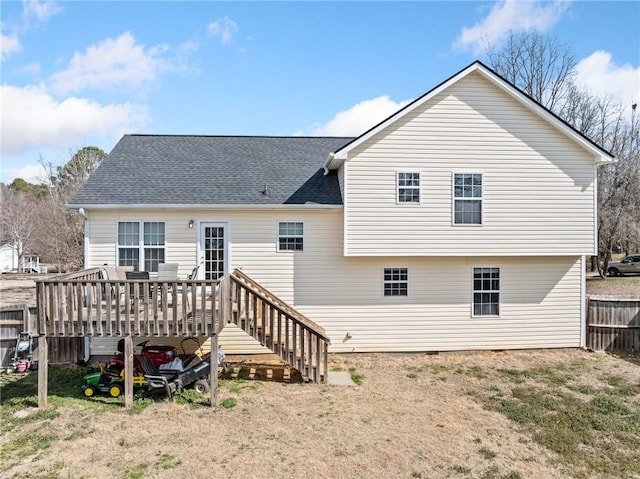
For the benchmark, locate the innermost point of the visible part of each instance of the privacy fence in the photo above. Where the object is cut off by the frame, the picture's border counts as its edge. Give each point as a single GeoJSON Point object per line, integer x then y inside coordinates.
{"type": "Point", "coordinates": [613, 324]}
{"type": "Point", "coordinates": [20, 318]}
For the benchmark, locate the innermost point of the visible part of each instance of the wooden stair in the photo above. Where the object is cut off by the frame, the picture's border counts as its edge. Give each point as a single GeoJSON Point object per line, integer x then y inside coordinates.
{"type": "Point", "coordinates": [296, 339]}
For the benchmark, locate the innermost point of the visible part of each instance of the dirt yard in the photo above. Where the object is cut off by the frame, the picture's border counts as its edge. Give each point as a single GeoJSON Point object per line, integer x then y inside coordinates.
{"type": "Point", "coordinates": [413, 416]}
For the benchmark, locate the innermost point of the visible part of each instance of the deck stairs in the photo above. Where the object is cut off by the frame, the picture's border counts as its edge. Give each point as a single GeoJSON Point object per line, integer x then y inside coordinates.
{"type": "Point", "coordinates": [276, 325]}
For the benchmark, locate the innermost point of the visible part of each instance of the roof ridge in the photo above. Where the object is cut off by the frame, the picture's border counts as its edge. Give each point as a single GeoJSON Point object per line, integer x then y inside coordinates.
{"type": "Point", "coordinates": [171, 135]}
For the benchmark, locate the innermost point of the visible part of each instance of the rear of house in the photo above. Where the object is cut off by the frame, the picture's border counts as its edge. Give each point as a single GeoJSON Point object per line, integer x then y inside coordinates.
{"type": "Point", "coordinates": [461, 222]}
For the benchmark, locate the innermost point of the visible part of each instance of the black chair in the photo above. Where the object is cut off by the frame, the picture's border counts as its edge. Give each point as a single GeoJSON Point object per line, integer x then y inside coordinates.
{"type": "Point", "coordinates": [137, 290]}
{"type": "Point", "coordinates": [166, 379]}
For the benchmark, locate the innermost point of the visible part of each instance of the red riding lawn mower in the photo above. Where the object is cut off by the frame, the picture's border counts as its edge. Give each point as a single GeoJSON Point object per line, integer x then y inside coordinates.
{"type": "Point", "coordinates": [158, 355]}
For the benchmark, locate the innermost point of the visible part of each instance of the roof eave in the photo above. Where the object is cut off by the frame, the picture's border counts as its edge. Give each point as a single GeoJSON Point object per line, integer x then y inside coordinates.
{"type": "Point", "coordinates": [281, 206]}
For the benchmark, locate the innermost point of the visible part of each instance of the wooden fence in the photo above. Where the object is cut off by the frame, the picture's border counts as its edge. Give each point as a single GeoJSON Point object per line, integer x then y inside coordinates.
{"type": "Point", "coordinates": [613, 324]}
{"type": "Point", "coordinates": [21, 317]}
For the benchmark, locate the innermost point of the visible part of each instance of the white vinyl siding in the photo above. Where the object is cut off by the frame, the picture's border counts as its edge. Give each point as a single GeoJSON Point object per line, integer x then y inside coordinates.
{"type": "Point", "coordinates": [538, 184]}
{"type": "Point", "coordinates": [539, 303]}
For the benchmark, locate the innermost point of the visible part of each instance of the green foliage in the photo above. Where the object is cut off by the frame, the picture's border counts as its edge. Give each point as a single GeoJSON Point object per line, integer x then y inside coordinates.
{"type": "Point", "coordinates": [137, 472]}
{"type": "Point", "coordinates": [229, 403]}
{"type": "Point", "coordinates": [356, 377]}
{"type": "Point", "coordinates": [19, 185]}
{"type": "Point", "coordinates": [562, 422]}
{"type": "Point", "coordinates": [167, 461]}
{"type": "Point", "coordinates": [487, 453]}
{"type": "Point", "coordinates": [70, 177]}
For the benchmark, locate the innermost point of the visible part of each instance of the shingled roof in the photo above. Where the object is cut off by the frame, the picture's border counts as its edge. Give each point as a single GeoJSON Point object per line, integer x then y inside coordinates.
{"type": "Point", "coordinates": [214, 170]}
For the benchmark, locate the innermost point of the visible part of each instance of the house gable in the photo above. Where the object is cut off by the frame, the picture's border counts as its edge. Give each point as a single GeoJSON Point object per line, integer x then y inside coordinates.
{"type": "Point", "coordinates": [602, 156]}
{"type": "Point", "coordinates": [538, 191]}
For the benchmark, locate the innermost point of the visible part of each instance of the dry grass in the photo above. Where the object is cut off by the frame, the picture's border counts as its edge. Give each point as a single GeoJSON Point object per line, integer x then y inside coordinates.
{"type": "Point", "coordinates": [413, 416]}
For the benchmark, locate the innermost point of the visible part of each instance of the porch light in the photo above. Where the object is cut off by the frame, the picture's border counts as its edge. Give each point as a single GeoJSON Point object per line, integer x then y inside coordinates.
{"type": "Point", "coordinates": [191, 223]}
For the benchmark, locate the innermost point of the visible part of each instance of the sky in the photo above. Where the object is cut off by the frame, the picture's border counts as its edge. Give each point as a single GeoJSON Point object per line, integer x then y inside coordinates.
{"type": "Point", "coordinates": [77, 74]}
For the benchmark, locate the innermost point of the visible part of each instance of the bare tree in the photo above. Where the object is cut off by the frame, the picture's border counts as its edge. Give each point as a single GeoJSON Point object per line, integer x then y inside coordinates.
{"type": "Point", "coordinates": [17, 222]}
{"type": "Point", "coordinates": [544, 68]}
{"type": "Point", "coordinates": [60, 237]}
{"type": "Point", "coordinates": [541, 66]}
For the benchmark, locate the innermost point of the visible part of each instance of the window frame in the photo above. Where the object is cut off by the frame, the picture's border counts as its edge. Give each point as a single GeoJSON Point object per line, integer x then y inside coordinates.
{"type": "Point", "coordinates": [455, 199]}
{"type": "Point", "coordinates": [487, 291]}
{"type": "Point", "coordinates": [398, 282]}
{"type": "Point", "coordinates": [290, 236]}
{"type": "Point", "coordinates": [141, 247]}
{"type": "Point", "coordinates": [408, 187]}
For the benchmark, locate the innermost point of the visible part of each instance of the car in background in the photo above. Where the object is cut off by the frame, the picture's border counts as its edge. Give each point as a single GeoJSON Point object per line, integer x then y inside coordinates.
{"type": "Point", "coordinates": [629, 264]}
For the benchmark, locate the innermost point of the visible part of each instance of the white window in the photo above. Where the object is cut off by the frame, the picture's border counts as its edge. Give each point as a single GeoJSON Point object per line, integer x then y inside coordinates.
{"type": "Point", "coordinates": [486, 291]}
{"type": "Point", "coordinates": [467, 198]}
{"type": "Point", "coordinates": [408, 187]}
{"type": "Point", "coordinates": [141, 244]}
{"type": "Point", "coordinates": [396, 282]}
{"type": "Point", "coordinates": [290, 236]}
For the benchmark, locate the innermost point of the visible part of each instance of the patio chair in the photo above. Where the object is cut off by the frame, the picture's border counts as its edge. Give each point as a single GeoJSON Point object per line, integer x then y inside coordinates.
{"type": "Point", "coordinates": [137, 290]}
{"type": "Point", "coordinates": [167, 273]}
{"type": "Point", "coordinates": [165, 379]}
{"type": "Point", "coordinates": [115, 273]}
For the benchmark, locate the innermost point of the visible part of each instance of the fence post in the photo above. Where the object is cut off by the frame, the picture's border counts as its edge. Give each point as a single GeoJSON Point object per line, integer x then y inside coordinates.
{"type": "Point", "coordinates": [43, 371]}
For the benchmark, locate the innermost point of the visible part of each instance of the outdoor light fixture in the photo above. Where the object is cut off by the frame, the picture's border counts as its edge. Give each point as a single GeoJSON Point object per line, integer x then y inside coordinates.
{"type": "Point", "coordinates": [191, 223]}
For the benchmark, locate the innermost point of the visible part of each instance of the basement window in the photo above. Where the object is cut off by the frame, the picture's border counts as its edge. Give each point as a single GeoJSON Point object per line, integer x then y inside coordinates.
{"type": "Point", "coordinates": [486, 291]}
{"type": "Point", "coordinates": [396, 282]}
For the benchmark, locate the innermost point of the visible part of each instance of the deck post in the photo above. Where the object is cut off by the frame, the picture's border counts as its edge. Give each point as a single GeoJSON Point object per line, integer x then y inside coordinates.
{"type": "Point", "coordinates": [128, 372]}
{"type": "Point", "coordinates": [43, 371]}
{"type": "Point", "coordinates": [214, 369]}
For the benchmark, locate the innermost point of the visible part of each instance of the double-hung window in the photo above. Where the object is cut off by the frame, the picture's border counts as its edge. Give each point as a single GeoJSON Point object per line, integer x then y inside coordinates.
{"type": "Point", "coordinates": [290, 236]}
{"type": "Point", "coordinates": [408, 187]}
{"type": "Point", "coordinates": [486, 291]}
{"type": "Point", "coordinates": [141, 244]}
{"type": "Point", "coordinates": [467, 198]}
{"type": "Point", "coordinates": [396, 282]}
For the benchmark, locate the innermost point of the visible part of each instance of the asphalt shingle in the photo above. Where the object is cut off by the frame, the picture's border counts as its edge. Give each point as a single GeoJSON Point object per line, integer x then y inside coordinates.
{"type": "Point", "coordinates": [214, 170]}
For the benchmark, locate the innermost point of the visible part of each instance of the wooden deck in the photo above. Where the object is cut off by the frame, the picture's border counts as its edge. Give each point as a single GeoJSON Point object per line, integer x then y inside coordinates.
{"type": "Point", "coordinates": [83, 304]}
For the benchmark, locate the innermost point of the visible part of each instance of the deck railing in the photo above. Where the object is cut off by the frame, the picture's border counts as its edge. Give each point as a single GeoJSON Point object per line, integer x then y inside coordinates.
{"type": "Point", "coordinates": [83, 304]}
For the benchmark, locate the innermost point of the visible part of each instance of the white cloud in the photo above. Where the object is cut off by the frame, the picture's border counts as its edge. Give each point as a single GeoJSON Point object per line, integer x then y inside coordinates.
{"type": "Point", "coordinates": [603, 77]}
{"type": "Point", "coordinates": [29, 68]}
{"type": "Point", "coordinates": [357, 119]}
{"type": "Point", "coordinates": [41, 10]}
{"type": "Point", "coordinates": [511, 15]}
{"type": "Point", "coordinates": [9, 44]}
{"type": "Point", "coordinates": [112, 62]}
{"type": "Point", "coordinates": [225, 28]}
{"type": "Point", "coordinates": [31, 118]}
{"type": "Point", "coordinates": [30, 173]}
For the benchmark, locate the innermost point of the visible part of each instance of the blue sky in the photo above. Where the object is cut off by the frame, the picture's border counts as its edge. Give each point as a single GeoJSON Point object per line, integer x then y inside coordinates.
{"type": "Point", "coordinates": [85, 73]}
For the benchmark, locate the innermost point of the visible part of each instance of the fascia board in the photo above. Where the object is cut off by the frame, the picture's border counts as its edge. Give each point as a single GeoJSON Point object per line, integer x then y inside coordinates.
{"type": "Point", "coordinates": [309, 206]}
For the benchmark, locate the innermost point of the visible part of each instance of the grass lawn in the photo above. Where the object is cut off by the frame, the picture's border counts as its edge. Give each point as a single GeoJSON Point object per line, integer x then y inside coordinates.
{"type": "Point", "coordinates": [503, 415]}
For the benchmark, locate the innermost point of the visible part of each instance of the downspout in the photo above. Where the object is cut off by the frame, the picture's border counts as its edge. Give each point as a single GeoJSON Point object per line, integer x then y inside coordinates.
{"type": "Point", "coordinates": [86, 256]}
